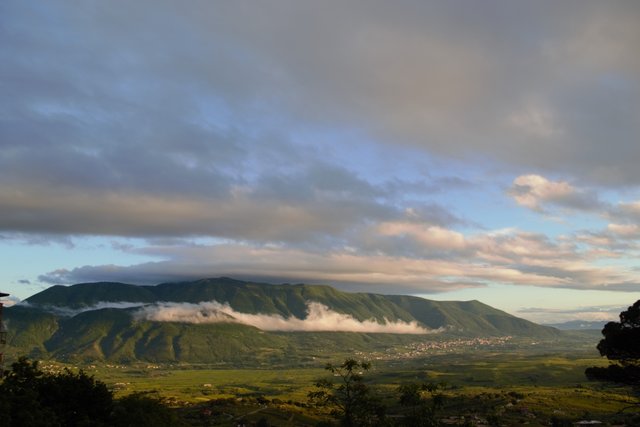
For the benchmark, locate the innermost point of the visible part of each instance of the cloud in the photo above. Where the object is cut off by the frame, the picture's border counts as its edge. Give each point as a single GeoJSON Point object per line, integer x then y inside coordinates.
{"type": "Point", "coordinates": [442, 262]}
{"type": "Point", "coordinates": [38, 239]}
{"type": "Point", "coordinates": [539, 194]}
{"type": "Point", "coordinates": [588, 313]}
{"type": "Point", "coordinates": [373, 273]}
{"type": "Point", "coordinates": [318, 205]}
{"type": "Point", "coordinates": [323, 142]}
{"type": "Point", "coordinates": [617, 240]}
{"type": "Point", "coordinates": [625, 231]}
{"type": "Point", "coordinates": [535, 121]}
{"type": "Point", "coordinates": [10, 301]}
{"type": "Point", "coordinates": [429, 236]}
{"type": "Point", "coordinates": [319, 318]}
{"type": "Point", "coordinates": [241, 215]}
{"type": "Point", "coordinates": [626, 212]}
{"type": "Point", "coordinates": [101, 107]}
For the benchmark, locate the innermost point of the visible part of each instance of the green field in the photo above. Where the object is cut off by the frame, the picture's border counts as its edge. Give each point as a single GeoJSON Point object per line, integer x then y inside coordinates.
{"type": "Point", "coordinates": [514, 386]}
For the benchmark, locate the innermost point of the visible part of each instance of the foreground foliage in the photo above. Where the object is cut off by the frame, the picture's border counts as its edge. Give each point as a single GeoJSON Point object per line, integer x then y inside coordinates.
{"type": "Point", "coordinates": [422, 401]}
{"type": "Point", "coordinates": [31, 397]}
{"type": "Point", "coordinates": [351, 400]}
{"type": "Point", "coordinates": [621, 345]}
{"type": "Point", "coordinates": [354, 404]}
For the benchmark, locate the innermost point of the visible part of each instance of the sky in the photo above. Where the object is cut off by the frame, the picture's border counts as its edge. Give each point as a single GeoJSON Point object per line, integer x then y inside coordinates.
{"type": "Point", "coordinates": [454, 150]}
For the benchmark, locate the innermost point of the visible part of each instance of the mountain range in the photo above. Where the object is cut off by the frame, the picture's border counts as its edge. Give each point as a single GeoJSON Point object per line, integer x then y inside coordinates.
{"type": "Point", "coordinates": [227, 321]}
{"type": "Point", "coordinates": [580, 325]}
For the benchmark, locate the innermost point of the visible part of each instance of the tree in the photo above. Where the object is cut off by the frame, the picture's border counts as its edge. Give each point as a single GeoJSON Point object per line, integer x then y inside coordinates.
{"type": "Point", "coordinates": [351, 400]}
{"type": "Point", "coordinates": [31, 397]}
{"type": "Point", "coordinates": [34, 398]}
{"type": "Point", "coordinates": [621, 345]}
{"type": "Point", "coordinates": [142, 409]}
{"type": "Point", "coordinates": [77, 399]}
{"type": "Point", "coordinates": [20, 397]}
{"type": "Point", "coordinates": [422, 402]}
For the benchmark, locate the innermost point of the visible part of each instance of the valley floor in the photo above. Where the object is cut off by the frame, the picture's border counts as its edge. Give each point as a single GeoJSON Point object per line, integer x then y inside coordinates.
{"type": "Point", "coordinates": [536, 386]}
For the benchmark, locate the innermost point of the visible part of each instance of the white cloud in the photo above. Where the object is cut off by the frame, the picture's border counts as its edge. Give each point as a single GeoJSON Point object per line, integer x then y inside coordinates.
{"type": "Point", "coordinates": [10, 301]}
{"type": "Point", "coordinates": [559, 315]}
{"type": "Point", "coordinates": [511, 256]}
{"type": "Point", "coordinates": [431, 237]}
{"type": "Point", "coordinates": [532, 191]}
{"type": "Point", "coordinates": [319, 318]}
{"type": "Point", "coordinates": [539, 194]}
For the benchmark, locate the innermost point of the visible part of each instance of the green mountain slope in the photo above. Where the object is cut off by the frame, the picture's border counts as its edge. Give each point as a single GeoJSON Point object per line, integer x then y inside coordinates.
{"type": "Point", "coordinates": [89, 294]}
{"type": "Point", "coordinates": [28, 329]}
{"type": "Point", "coordinates": [469, 317]}
{"type": "Point", "coordinates": [97, 330]}
{"type": "Point", "coordinates": [113, 334]}
{"type": "Point", "coordinates": [285, 300]}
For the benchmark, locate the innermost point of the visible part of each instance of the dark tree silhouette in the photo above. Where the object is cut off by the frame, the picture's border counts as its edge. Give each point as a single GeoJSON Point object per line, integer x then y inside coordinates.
{"type": "Point", "coordinates": [20, 397]}
{"type": "Point", "coordinates": [31, 397]}
{"type": "Point", "coordinates": [77, 399]}
{"type": "Point", "coordinates": [351, 399]}
{"type": "Point", "coordinates": [422, 402]}
{"type": "Point", "coordinates": [143, 409]}
{"type": "Point", "coordinates": [621, 345]}
{"type": "Point", "coordinates": [34, 398]}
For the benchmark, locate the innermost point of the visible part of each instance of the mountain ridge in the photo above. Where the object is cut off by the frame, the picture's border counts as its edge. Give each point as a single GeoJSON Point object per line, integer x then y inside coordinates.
{"type": "Point", "coordinates": [582, 325]}
{"type": "Point", "coordinates": [96, 328]}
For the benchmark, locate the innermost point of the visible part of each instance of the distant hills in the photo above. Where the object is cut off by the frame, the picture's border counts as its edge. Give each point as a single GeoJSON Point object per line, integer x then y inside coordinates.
{"type": "Point", "coordinates": [579, 325]}
{"type": "Point", "coordinates": [234, 322]}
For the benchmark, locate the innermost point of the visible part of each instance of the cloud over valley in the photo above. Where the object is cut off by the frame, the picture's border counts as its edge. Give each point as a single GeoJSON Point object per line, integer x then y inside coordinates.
{"type": "Point", "coordinates": [318, 318]}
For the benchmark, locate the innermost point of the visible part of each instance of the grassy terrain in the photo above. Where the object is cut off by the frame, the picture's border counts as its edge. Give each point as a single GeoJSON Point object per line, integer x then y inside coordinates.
{"type": "Point", "coordinates": [198, 385]}
{"type": "Point", "coordinates": [514, 386]}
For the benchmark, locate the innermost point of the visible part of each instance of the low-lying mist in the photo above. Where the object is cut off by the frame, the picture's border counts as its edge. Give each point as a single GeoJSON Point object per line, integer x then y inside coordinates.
{"type": "Point", "coordinates": [319, 318]}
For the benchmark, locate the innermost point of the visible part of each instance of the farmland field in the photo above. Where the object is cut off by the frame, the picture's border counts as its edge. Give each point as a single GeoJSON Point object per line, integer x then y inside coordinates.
{"type": "Point", "coordinates": [515, 386]}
